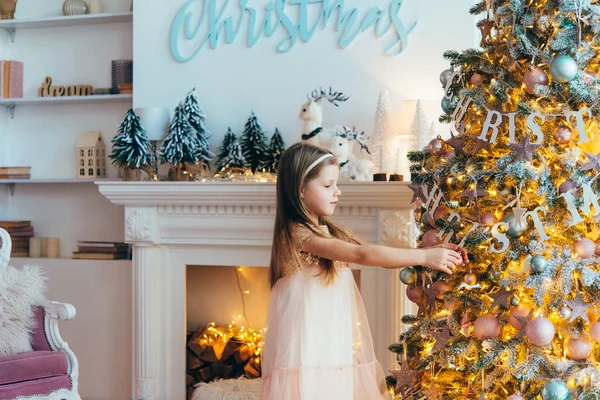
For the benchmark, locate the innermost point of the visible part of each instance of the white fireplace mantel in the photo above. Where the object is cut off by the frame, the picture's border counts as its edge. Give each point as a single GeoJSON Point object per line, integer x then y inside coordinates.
{"type": "Point", "coordinates": [174, 224]}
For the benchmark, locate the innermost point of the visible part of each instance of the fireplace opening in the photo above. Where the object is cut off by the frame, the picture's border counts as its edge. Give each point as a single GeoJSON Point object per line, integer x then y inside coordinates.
{"type": "Point", "coordinates": [226, 311]}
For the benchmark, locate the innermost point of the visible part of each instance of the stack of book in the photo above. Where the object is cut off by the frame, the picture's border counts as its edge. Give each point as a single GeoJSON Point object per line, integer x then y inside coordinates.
{"type": "Point", "coordinates": [125, 88]}
{"type": "Point", "coordinates": [20, 232]}
{"type": "Point", "coordinates": [101, 251]}
{"type": "Point", "coordinates": [11, 79]}
{"type": "Point", "coordinates": [15, 172]}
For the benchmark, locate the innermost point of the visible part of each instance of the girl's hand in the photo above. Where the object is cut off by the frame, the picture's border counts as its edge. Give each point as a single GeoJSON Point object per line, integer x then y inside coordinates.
{"type": "Point", "coordinates": [442, 258]}
{"type": "Point", "coordinates": [457, 248]}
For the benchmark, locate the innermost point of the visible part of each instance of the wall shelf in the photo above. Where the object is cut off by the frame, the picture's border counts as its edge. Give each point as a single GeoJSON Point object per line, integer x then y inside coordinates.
{"type": "Point", "coordinates": [11, 26]}
{"type": "Point", "coordinates": [12, 183]}
{"type": "Point", "coordinates": [12, 104]}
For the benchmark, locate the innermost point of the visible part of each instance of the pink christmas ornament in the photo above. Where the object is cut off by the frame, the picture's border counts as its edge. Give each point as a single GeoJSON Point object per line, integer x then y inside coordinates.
{"type": "Point", "coordinates": [442, 212]}
{"type": "Point", "coordinates": [566, 186]}
{"type": "Point", "coordinates": [414, 293]}
{"type": "Point", "coordinates": [595, 331]}
{"type": "Point", "coordinates": [486, 327]}
{"type": "Point", "coordinates": [441, 287]}
{"type": "Point", "coordinates": [522, 310]}
{"type": "Point", "coordinates": [515, 397]}
{"type": "Point", "coordinates": [580, 348]}
{"type": "Point", "coordinates": [476, 79]}
{"type": "Point", "coordinates": [448, 153]}
{"type": "Point", "coordinates": [540, 331]}
{"type": "Point", "coordinates": [430, 238]}
{"type": "Point", "coordinates": [589, 78]}
{"type": "Point", "coordinates": [470, 279]}
{"type": "Point", "coordinates": [585, 248]}
{"type": "Point", "coordinates": [563, 134]}
{"type": "Point", "coordinates": [427, 219]}
{"type": "Point", "coordinates": [534, 77]}
{"type": "Point", "coordinates": [450, 304]}
{"type": "Point", "coordinates": [436, 146]}
{"type": "Point", "coordinates": [488, 219]}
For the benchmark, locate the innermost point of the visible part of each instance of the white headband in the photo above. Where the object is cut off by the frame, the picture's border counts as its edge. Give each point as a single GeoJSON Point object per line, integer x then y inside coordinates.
{"type": "Point", "coordinates": [317, 161]}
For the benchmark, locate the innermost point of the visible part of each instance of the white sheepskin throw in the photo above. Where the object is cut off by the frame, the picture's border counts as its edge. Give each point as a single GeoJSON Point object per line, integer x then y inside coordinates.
{"type": "Point", "coordinates": [20, 291]}
{"type": "Point", "coordinates": [228, 389]}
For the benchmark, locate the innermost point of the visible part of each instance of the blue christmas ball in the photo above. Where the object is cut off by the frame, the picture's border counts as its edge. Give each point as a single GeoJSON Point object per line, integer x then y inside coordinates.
{"type": "Point", "coordinates": [539, 264]}
{"type": "Point", "coordinates": [555, 390]}
{"type": "Point", "coordinates": [408, 275]}
{"type": "Point", "coordinates": [563, 69]}
{"type": "Point", "coordinates": [449, 105]}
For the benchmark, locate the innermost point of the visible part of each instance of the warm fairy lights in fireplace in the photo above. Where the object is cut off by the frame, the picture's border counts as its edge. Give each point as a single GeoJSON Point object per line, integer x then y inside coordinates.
{"type": "Point", "coordinates": [248, 336]}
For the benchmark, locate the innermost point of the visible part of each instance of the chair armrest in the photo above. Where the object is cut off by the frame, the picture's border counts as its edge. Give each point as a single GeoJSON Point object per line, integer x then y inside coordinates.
{"type": "Point", "coordinates": [55, 311]}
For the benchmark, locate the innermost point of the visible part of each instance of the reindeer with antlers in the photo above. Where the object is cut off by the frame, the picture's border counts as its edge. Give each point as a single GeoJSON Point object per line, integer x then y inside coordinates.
{"type": "Point", "coordinates": [339, 140]}
{"type": "Point", "coordinates": [312, 115]}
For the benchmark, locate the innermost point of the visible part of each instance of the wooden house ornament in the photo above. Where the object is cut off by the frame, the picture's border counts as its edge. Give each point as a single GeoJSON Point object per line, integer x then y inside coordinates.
{"type": "Point", "coordinates": [91, 156]}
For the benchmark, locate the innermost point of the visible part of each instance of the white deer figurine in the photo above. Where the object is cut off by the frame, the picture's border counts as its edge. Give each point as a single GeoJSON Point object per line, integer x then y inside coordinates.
{"type": "Point", "coordinates": [312, 115]}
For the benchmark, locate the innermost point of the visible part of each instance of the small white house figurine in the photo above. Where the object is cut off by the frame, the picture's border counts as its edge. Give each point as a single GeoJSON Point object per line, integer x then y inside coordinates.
{"type": "Point", "coordinates": [91, 155]}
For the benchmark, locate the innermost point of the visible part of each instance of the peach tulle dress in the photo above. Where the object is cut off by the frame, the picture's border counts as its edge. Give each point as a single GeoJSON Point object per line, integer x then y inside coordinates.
{"type": "Point", "coordinates": [318, 344]}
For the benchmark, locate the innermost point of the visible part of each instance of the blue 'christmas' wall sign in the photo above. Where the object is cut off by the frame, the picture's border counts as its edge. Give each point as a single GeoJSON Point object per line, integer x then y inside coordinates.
{"type": "Point", "coordinates": [203, 21]}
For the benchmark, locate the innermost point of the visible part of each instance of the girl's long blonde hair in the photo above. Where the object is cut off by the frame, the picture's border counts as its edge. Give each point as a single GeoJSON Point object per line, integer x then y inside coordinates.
{"type": "Point", "coordinates": [292, 179]}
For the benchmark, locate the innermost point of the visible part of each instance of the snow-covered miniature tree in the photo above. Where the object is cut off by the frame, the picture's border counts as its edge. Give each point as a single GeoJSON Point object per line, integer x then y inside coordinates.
{"type": "Point", "coordinates": [274, 152]}
{"type": "Point", "coordinates": [197, 120]}
{"type": "Point", "coordinates": [130, 145]}
{"type": "Point", "coordinates": [254, 143]}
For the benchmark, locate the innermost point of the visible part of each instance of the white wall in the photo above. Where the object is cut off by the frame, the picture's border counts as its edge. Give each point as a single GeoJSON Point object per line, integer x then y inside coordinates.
{"type": "Point", "coordinates": [234, 79]}
{"type": "Point", "coordinates": [44, 138]}
{"type": "Point", "coordinates": [100, 333]}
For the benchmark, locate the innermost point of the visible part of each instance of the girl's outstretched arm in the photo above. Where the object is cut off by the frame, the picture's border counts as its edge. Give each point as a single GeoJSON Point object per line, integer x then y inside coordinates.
{"type": "Point", "coordinates": [444, 257]}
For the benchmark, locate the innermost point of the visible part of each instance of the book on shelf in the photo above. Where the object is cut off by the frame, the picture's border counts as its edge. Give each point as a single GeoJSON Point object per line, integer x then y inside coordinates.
{"type": "Point", "coordinates": [99, 256]}
{"type": "Point", "coordinates": [15, 170]}
{"type": "Point", "coordinates": [19, 254]}
{"type": "Point", "coordinates": [19, 230]}
{"type": "Point", "coordinates": [15, 176]}
{"type": "Point", "coordinates": [101, 250]}
{"type": "Point", "coordinates": [101, 244]}
{"type": "Point", "coordinates": [11, 79]}
{"type": "Point", "coordinates": [8, 225]}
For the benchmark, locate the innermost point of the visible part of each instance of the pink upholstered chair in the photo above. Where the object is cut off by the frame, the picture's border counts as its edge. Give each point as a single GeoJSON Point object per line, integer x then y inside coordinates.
{"type": "Point", "coordinates": [50, 371]}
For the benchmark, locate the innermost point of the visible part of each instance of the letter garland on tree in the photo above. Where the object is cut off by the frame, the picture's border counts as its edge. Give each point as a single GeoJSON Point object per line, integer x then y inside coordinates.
{"type": "Point", "coordinates": [274, 152]}
{"type": "Point", "coordinates": [180, 146]}
{"type": "Point", "coordinates": [230, 155]}
{"type": "Point", "coordinates": [514, 187]}
{"type": "Point", "coordinates": [197, 120]}
{"type": "Point", "coordinates": [130, 147]}
{"type": "Point", "coordinates": [254, 143]}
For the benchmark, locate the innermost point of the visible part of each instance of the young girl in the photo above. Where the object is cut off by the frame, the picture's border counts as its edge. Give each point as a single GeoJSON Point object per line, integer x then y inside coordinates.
{"type": "Point", "coordinates": [318, 345]}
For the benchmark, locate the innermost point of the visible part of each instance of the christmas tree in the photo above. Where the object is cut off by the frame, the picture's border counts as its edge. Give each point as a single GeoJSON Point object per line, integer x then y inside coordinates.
{"type": "Point", "coordinates": [235, 157]}
{"type": "Point", "coordinates": [230, 153]}
{"type": "Point", "coordinates": [254, 143]}
{"type": "Point", "coordinates": [516, 184]}
{"type": "Point", "coordinates": [130, 145]}
{"type": "Point", "coordinates": [197, 120]}
{"type": "Point", "coordinates": [382, 125]}
{"type": "Point", "coordinates": [180, 145]}
{"type": "Point", "coordinates": [274, 152]}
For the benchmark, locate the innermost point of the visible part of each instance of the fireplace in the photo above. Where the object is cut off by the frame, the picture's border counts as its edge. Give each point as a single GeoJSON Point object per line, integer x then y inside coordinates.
{"type": "Point", "coordinates": [172, 225]}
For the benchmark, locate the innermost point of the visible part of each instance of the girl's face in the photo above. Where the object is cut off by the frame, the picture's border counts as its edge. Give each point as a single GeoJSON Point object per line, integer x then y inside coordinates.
{"type": "Point", "coordinates": [321, 194]}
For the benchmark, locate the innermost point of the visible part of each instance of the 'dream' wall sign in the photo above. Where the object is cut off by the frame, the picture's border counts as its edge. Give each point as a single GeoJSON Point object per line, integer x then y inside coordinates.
{"type": "Point", "coordinates": [203, 22]}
